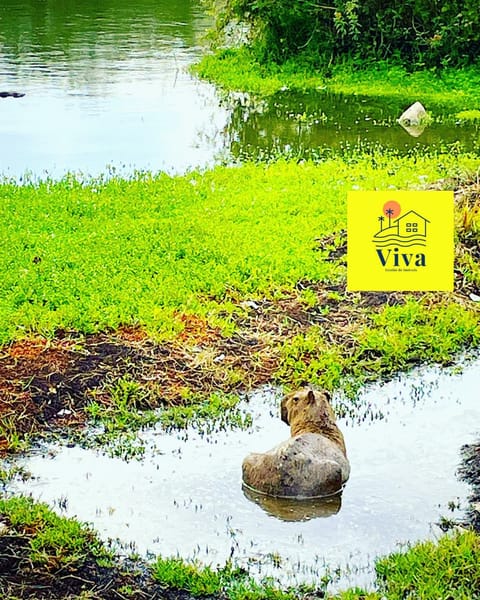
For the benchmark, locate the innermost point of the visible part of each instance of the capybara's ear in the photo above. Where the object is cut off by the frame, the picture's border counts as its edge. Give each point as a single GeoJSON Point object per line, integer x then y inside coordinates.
{"type": "Point", "coordinates": [284, 411]}
{"type": "Point", "coordinates": [328, 395]}
{"type": "Point", "coordinates": [311, 396]}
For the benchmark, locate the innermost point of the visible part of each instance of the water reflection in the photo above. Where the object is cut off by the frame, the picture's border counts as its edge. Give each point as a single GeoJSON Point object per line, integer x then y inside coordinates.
{"type": "Point", "coordinates": [288, 509]}
{"type": "Point", "coordinates": [106, 83]}
{"type": "Point", "coordinates": [185, 498]}
{"type": "Point", "coordinates": [81, 38]}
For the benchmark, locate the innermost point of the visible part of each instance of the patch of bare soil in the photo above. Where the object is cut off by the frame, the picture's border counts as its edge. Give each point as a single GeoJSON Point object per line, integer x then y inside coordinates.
{"type": "Point", "coordinates": [46, 384]}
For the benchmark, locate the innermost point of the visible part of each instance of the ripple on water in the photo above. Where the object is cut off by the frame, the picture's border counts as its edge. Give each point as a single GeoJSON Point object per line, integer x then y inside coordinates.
{"type": "Point", "coordinates": [186, 498]}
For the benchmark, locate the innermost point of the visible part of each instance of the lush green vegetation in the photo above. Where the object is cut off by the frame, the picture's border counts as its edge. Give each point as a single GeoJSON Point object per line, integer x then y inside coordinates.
{"type": "Point", "coordinates": [163, 253]}
{"type": "Point", "coordinates": [447, 569]}
{"type": "Point", "coordinates": [90, 256]}
{"type": "Point", "coordinates": [418, 31]}
{"type": "Point", "coordinates": [449, 90]}
{"type": "Point", "coordinates": [96, 255]}
{"type": "Point", "coordinates": [227, 582]}
{"type": "Point", "coordinates": [382, 343]}
{"type": "Point", "coordinates": [55, 542]}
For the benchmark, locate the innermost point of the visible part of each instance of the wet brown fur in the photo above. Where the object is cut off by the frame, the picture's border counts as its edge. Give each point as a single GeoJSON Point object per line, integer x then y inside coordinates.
{"type": "Point", "coordinates": [311, 463]}
{"type": "Point", "coordinates": [309, 411]}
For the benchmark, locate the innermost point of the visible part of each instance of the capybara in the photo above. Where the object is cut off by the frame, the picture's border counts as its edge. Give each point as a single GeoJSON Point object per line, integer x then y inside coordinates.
{"type": "Point", "coordinates": [313, 462]}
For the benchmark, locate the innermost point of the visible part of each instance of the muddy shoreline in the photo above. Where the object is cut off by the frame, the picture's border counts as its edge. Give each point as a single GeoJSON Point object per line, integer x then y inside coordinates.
{"type": "Point", "coordinates": [469, 471]}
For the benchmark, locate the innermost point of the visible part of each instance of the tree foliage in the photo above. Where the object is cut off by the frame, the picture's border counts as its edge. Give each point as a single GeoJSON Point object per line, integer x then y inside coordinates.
{"type": "Point", "coordinates": [424, 32]}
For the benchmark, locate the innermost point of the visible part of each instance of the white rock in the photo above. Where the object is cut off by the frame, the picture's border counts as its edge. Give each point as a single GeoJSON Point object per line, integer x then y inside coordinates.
{"type": "Point", "coordinates": [414, 115]}
{"type": "Point", "coordinates": [413, 120]}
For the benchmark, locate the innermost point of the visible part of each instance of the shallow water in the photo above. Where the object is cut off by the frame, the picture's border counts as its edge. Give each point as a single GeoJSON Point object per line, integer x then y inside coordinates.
{"type": "Point", "coordinates": [107, 85]}
{"type": "Point", "coordinates": [309, 124]}
{"type": "Point", "coordinates": [186, 498]}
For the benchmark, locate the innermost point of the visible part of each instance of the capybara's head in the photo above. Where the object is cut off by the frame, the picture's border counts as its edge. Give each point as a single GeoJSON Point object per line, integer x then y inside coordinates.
{"type": "Point", "coordinates": [306, 404]}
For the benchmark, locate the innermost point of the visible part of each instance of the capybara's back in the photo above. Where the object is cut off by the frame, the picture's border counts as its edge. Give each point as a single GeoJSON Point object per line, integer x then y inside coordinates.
{"type": "Point", "coordinates": [312, 463]}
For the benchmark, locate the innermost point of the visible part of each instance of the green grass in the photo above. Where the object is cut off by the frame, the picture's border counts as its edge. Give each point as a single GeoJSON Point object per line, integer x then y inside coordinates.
{"type": "Point", "coordinates": [124, 415]}
{"type": "Point", "coordinates": [382, 343]}
{"type": "Point", "coordinates": [239, 70]}
{"type": "Point", "coordinates": [91, 256]}
{"type": "Point", "coordinates": [228, 582]}
{"type": "Point", "coordinates": [55, 542]}
{"type": "Point", "coordinates": [448, 569]}
{"type": "Point", "coordinates": [468, 115]}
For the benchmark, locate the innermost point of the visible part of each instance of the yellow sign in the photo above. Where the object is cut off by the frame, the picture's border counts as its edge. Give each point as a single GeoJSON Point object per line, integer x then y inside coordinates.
{"type": "Point", "coordinates": [400, 241]}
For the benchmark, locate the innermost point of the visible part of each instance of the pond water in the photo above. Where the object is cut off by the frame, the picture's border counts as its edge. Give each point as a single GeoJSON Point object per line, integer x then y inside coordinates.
{"type": "Point", "coordinates": [310, 124]}
{"type": "Point", "coordinates": [186, 497]}
{"type": "Point", "coordinates": [106, 84]}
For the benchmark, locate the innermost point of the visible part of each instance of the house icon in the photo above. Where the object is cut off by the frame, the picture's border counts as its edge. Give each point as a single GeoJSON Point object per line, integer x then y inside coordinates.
{"type": "Point", "coordinates": [411, 223]}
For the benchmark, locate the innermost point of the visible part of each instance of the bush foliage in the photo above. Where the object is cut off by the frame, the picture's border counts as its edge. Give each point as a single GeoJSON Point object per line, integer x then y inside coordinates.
{"type": "Point", "coordinates": [424, 32]}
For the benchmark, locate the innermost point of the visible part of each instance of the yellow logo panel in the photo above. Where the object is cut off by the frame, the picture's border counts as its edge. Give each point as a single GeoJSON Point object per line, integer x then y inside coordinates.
{"type": "Point", "coordinates": [400, 241]}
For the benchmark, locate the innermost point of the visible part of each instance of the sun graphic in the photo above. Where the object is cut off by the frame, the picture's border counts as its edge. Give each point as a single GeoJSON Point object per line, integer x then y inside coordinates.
{"type": "Point", "coordinates": [392, 209]}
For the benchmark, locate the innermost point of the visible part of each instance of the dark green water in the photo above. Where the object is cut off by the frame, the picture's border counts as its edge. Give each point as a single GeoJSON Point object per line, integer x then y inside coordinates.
{"type": "Point", "coordinates": [308, 125]}
{"type": "Point", "coordinates": [106, 83]}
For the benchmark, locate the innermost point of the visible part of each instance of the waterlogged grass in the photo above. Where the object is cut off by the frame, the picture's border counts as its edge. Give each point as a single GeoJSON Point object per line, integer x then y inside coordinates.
{"type": "Point", "coordinates": [229, 582]}
{"type": "Point", "coordinates": [126, 413]}
{"type": "Point", "coordinates": [449, 568]}
{"type": "Point", "coordinates": [239, 70]}
{"type": "Point", "coordinates": [92, 256]}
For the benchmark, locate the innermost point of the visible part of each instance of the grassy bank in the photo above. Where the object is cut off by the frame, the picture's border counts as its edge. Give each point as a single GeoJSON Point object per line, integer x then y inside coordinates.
{"type": "Point", "coordinates": [95, 256]}
{"type": "Point", "coordinates": [43, 555]}
{"type": "Point", "coordinates": [238, 69]}
{"type": "Point", "coordinates": [178, 292]}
